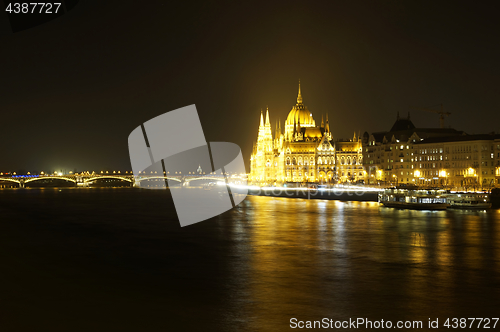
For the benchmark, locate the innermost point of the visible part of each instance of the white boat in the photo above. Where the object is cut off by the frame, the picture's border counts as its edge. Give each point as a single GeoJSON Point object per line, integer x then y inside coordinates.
{"type": "Point", "coordinates": [413, 199]}
{"type": "Point", "coordinates": [469, 200]}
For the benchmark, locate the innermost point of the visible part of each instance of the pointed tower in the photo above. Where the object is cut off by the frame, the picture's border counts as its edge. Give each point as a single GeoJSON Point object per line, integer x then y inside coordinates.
{"type": "Point", "coordinates": [265, 137]}
{"type": "Point", "coordinates": [279, 137]}
{"type": "Point", "coordinates": [327, 129]}
{"type": "Point", "coordinates": [322, 122]}
{"type": "Point", "coordinates": [263, 154]}
{"type": "Point", "coordinates": [299, 110]}
{"type": "Point", "coordinates": [299, 97]}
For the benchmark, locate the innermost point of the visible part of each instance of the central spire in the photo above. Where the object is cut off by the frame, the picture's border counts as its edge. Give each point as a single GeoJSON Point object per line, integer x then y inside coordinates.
{"type": "Point", "coordinates": [299, 97]}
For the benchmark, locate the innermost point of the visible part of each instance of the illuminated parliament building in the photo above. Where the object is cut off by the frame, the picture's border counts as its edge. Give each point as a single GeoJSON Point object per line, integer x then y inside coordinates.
{"type": "Point", "coordinates": [304, 152]}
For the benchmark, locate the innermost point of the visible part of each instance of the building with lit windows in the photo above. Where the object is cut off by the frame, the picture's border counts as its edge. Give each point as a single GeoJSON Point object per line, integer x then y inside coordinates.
{"type": "Point", "coordinates": [497, 161]}
{"type": "Point", "coordinates": [431, 157]}
{"type": "Point", "coordinates": [389, 157]}
{"type": "Point", "coordinates": [303, 152]}
{"type": "Point", "coordinates": [464, 162]}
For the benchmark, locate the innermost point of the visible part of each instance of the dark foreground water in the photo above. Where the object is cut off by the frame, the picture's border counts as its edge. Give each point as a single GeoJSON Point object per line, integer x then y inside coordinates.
{"type": "Point", "coordinates": [117, 260]}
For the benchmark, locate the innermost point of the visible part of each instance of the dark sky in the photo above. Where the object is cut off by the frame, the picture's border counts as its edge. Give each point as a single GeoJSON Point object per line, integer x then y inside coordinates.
{"type": "Point", "coordinates": [74, 88]}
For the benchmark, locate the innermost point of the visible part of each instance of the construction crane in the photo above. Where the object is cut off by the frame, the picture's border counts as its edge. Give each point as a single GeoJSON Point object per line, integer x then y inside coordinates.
{"type": "Point", "coordinates": [441, 113]}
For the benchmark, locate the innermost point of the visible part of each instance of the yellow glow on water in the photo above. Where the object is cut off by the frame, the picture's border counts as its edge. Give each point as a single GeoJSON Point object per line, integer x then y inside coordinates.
{"type": "Point", "coordinates": [305, 251]}
{"type": "Point", "coordinates": [472, 225]}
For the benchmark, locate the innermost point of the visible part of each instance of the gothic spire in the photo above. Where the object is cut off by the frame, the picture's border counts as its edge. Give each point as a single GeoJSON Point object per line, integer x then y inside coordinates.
{"type": "Point", "coordinates": [327, 129]}
{"type": "Point", "coordinates": [267, 117]}
{"type": "Point", "coordinates": [322, 122]}
{"type": "Point", "coordinates": [261, 119]}
{"type": "Point", "coordinates": [299, 97]}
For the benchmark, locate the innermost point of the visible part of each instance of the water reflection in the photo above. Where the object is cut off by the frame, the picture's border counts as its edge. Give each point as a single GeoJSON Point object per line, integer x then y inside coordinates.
{"type": "Point", "coordinates": [314, 259]}
{"type": "Point", "coordinates": [78, 253]}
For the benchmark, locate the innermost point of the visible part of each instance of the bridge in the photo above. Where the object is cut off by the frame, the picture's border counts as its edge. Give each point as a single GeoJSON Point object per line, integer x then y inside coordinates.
{"type": "Point", "coordinates": [86, 179]}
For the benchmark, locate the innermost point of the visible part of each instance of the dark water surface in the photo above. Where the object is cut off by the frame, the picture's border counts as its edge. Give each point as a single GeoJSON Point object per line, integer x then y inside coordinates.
{"type": "Point", "coordinates": [117, 260]}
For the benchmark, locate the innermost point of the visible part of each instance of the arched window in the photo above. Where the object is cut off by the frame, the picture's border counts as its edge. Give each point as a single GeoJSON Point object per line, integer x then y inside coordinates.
{"type": "Point", "coordinates": [288, 161]}
{"type": "Point", "coordinates": [319, 161]}
{"type": "Point", "coordinates": [300, 160]}
{"type": "Point", "coordinates": [312, 161]}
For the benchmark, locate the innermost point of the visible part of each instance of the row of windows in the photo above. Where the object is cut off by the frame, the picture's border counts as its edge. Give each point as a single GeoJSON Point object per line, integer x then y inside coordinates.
{"type": "Point", "coordinates": [430, 151]}
{"type": "Point", "coordinates": [294, 174]}
{"type": "Point", "coordinates": [300, 174]}
{"type": "Point", "coordinates": [301, 161]}
{"type": "Point", "coordinates": [427, 158]}
{"type": "Point", "coordinates": [326, 161]}
{"type": "Point", "coordinates": [353, 174]}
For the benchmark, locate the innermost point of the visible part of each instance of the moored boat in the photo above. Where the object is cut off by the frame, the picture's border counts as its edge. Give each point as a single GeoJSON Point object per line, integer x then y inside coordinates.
{"type": "Point", "coordinates": [413, 199]}
{"type": "Point", "coordinates": [469, 200]}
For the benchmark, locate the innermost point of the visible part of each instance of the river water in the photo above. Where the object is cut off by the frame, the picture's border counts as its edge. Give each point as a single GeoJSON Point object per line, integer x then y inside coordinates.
{"type": "Point", "coordinates": [77, 259]}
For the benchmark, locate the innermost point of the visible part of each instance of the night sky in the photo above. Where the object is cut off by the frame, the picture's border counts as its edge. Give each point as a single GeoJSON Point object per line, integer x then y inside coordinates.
{"type": "Point", "coordinates": [74, 88]}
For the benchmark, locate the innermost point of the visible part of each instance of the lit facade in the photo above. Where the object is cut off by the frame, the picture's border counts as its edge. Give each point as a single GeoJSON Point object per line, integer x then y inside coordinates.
{"type": "Point", "coordinates": [304, 152]}
{"type": "Point", "coordinates": [390, 157]}
{"type": "Point", "coordinates": [432, 157]}
{"type": "Point", "coordinates": [497, 161]}
{"type": "Point", "coordinates": [465, 162]}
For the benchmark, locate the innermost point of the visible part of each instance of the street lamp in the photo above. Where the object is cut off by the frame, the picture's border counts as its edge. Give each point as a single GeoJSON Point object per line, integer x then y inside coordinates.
{"type": "Point", "coordinates": [443, 174]}
{"type": "Point", "coordinates": [417, 175]}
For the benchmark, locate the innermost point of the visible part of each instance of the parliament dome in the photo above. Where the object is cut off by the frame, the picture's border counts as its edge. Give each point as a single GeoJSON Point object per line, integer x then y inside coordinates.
{"type": "Point", "coordinates": [300, 114]}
